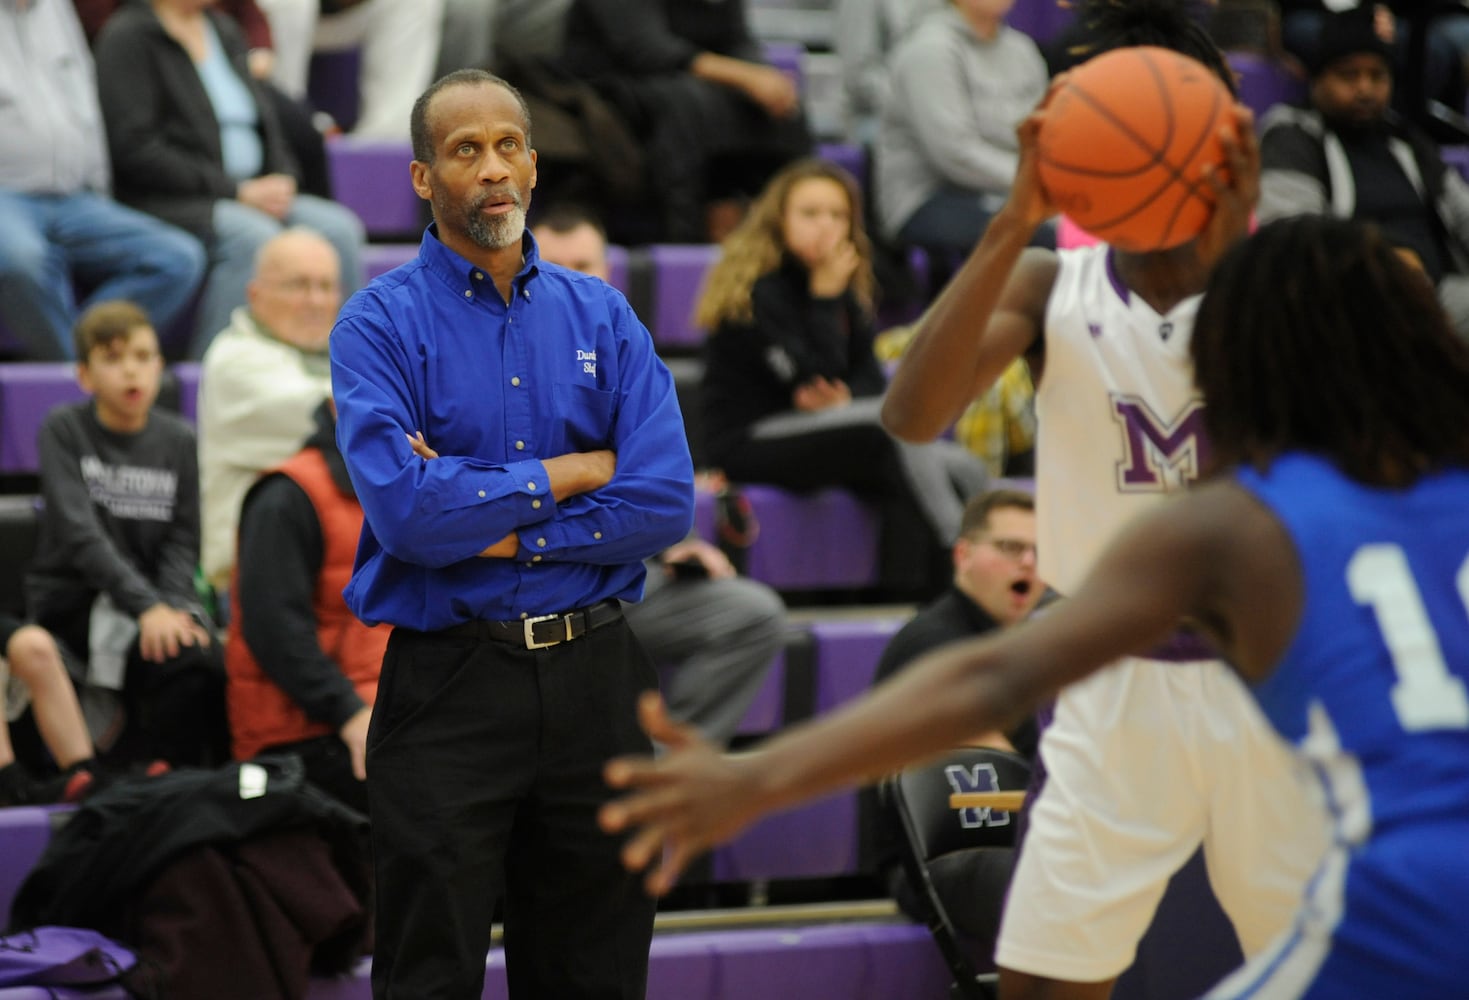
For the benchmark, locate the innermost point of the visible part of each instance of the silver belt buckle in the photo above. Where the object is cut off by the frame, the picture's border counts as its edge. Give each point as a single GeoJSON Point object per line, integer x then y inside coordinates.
{"type": "Point", "coordinates": [530, 631]}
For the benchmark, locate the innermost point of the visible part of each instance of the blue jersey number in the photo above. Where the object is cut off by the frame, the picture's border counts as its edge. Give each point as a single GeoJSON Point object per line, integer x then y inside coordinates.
{"type": "Point", "coordinates": [1426, 695]}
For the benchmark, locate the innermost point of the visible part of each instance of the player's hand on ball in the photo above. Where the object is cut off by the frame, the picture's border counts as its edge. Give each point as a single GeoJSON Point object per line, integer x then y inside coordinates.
{"type": "Point", "coordinates": [682, 803]}
{"type": "Point", "coordinates": [1027, 195]}
{"type": "Point", "coordinates": [1236, 187]}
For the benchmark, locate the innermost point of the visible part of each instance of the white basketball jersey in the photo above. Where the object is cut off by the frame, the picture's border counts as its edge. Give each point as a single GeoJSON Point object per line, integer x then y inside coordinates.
{"type": "Point", "coordinates": [1119, 420]}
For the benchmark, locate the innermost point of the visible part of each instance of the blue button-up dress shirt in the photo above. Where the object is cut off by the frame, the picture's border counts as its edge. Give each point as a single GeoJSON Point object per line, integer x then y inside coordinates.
{"type": "Point", "coordinates": [495, 388]}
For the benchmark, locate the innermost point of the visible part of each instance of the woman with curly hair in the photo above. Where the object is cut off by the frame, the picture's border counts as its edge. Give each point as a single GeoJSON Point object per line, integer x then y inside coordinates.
{"type": "Point", "coordinates": [792, 389]}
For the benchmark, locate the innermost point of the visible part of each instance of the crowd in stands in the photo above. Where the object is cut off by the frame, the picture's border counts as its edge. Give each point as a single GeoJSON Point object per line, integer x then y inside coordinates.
{"type": "Point", "coordinates": [164, 195]}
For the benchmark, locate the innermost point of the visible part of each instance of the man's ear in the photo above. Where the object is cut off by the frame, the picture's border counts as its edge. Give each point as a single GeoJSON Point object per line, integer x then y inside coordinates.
{"type": "Point", "coordinates": [418, 173]}
{"type": "Point", "coordinates": [533, 174]}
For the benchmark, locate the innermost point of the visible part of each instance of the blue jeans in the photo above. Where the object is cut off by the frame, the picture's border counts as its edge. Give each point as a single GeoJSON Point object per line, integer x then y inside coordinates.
{"type": "Point", "coordinates": [53, 247]}
{"type": "Point", "coordinates": [239, 233]}
{"type": "Point", "coordinates": [953, 219]}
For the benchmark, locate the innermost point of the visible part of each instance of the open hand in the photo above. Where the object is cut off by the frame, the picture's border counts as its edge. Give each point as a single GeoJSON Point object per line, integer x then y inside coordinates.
{"type": "Point", "coordinates": [682, 803]}
{"type": "Point", "coordinates": [821, 394]}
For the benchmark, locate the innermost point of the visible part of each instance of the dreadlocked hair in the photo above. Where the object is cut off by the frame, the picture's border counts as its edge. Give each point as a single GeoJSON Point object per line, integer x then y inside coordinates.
{"type": "Point", "coordinates": [1104, 25]}
{"type": "Point", "coordinates": [1316, 335]}
{"type": "Point", "coordinates": [755, 247]}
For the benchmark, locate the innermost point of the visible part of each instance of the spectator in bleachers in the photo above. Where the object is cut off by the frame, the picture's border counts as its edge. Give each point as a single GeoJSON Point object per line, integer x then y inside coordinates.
{"type": "Point", "coordinates": [302, 669]}
{"type": "Point", "coordinates": [1441, 71]}
{"type": "Point", "coordinates": [479, 34]}
{"type": "Point", "coordinates": [792, 388]}
{"type": "Point", "coordinates": [33, 674]}
{"type": "Point", "coordinates": [994, 586]}
{"type": "Point", "coordinates": [866, 32]}
{"type": "Point", "coordinates": [961, 82]}
{"type": "Point", "coordinates": [112, 577]}
{"type": "Point", "coordinates": [712, 631]}
{"type": "Point", "coordinates": [400, 47]}
{"type": "Point", "coordinates": [999, 426]}
{"type": "Point", "coordinates": [296, 117]}
{"type": "Point", "coordinates": [1348, 155]}
{"type": "Point", "coordinates": [194, 142]}
{"type": "Point", "coordinates": [261, 380]}
{"type": "Point", "coordinates": [716, 119]}
{"type": "Point", "coordinates": [62, 238]}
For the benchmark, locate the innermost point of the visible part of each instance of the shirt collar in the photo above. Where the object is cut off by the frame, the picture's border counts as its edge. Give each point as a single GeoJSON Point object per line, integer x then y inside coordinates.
{"type": "Point", "coordinates": [979, 619]}
{"type": "Point", "coordinates": [457, 272]}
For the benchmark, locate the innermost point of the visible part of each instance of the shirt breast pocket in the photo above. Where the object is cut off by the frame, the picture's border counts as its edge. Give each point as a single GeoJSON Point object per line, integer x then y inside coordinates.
{"type": "Point", "coordinates": [585, 414]}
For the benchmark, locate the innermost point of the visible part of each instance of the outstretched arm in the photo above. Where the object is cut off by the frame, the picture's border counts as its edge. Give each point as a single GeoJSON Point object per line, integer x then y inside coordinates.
{"type": "Point", "coordinates": [1168, 565]}
{"type": "Point", "coordinates": [990, 313]}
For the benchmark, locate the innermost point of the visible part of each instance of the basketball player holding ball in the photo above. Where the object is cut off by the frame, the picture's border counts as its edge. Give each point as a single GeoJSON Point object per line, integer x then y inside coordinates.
{"type": "Point", "coordinates": [1154, 756]}
{"type": "Point", "coordinates": [1149, 759]}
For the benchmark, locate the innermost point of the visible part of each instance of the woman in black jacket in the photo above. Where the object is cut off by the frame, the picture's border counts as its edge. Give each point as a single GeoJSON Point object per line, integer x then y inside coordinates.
{"type": "Point", "coordinates": [792, 388]}
{"type": "Point", "coordinates": [195, 142]}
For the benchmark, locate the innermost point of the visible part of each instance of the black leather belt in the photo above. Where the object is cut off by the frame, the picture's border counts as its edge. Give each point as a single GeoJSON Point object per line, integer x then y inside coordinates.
{"type": "Point", "coordinates": [542, 630]}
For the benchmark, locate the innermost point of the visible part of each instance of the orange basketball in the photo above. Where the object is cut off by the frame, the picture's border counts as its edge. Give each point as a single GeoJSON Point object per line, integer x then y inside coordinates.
{"type": "Point", "coordinates": [1124, 143]}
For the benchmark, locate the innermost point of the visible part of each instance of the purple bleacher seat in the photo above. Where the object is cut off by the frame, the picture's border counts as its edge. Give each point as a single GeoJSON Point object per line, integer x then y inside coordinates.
{"type": "Point", "coordinates": [1264, 82]}
{"type": "Point", "coordinates": [187, 373]}
{"type": "Point", "coordinates": [847, 651]}
{"type": "Point", "coordinates": [678, 276]}
{"type": "Point", "coordinates": [816, 840]}
{"type": "Point", "coordinates": [852, 961]}
{"type": "Point", "coordinates": [370, 176]}
{"type": "Point", "coordinates": [24, 833]}
{"type": "Point", "coordinates": [903, 961]}
{"type": "Point", "coordinates": [1042, 20]}
{"type": "Point", "coordinates": [791, 964]}
{"type": "Point", "coordinates": [495, 986]}
{"type": "Point", "coordinates": [682, 966]}
{"type": "Point", "coordinates": [766, 713]}
{"type": "Point", "coordinates": [332, 84]}
{"type": "Point", "coordinates": [111, 992]}
{"type": "Point", "coordinates": [789, 58]}
{"type": "Point", "coordinates": [28, 391]}
{"type": "Point", "coordinates": [849, 156]}
{"type": "Point", "coordinates": [617, 267]}
{"type": "Point", "coordinates": [824, 540]}
{"type": "Point", "coordinates": [380, 258]}
{"type": "Point", "coordinates": [858, 960]}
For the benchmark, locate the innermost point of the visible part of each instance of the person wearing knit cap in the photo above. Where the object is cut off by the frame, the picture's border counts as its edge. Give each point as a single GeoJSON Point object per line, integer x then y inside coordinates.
{"type": "Point", "coordinates": [1348, 154]}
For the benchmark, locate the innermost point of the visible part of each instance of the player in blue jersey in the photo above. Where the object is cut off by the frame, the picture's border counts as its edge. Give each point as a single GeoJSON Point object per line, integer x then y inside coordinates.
{"type": "Point", "coordinates": [1327, 557]}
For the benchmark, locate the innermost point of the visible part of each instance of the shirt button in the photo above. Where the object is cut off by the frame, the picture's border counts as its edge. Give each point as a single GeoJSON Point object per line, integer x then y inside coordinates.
{"type": "Point", "coordinates": [479, 276]}
{"type": "Point", "coordinates": [520, 446]}
{"type": "Point", "coordinates": [515, 380]}
{"type": "Point", "coordinates": [535, 559]}
{"type": "Point", "coordinates": [596, 534]}
{"type": "Point", "coordinates": [524, 615]}
{"type": "Point", "coordinates": [481, 493]}
{"type": "Point", "coordinates": [531, 487]}
{"type": "Point", "coordinates": [540, 543]}
{"type": "Point", "coordinates": [535, 505]}
{"type": "Point", "coordinates": [469, 293]}
{"type": "Point", "coordinates": [525, 294]}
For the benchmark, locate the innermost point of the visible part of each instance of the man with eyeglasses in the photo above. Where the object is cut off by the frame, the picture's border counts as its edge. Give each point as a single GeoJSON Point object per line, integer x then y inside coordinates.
{"type": "Point", "coordinates": [261, 380]}
{"type": "Point", "coordinates": [994, 586]}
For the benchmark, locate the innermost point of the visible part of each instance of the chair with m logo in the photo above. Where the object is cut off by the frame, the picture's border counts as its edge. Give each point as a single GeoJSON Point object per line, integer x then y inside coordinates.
{"type": "Point", "coordinates": [958, 861]}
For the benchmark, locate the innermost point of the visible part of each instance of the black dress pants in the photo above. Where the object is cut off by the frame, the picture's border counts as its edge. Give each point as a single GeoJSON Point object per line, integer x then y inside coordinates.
{"type": "Point", "coordinates": [484, 776]}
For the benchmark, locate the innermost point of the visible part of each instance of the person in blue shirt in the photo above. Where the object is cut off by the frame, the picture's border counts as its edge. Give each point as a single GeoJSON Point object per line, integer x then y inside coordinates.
{"type": "Point", "coordinates": [1327, 558]}
{"type": "Point", "coordinates": [518, 451]}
